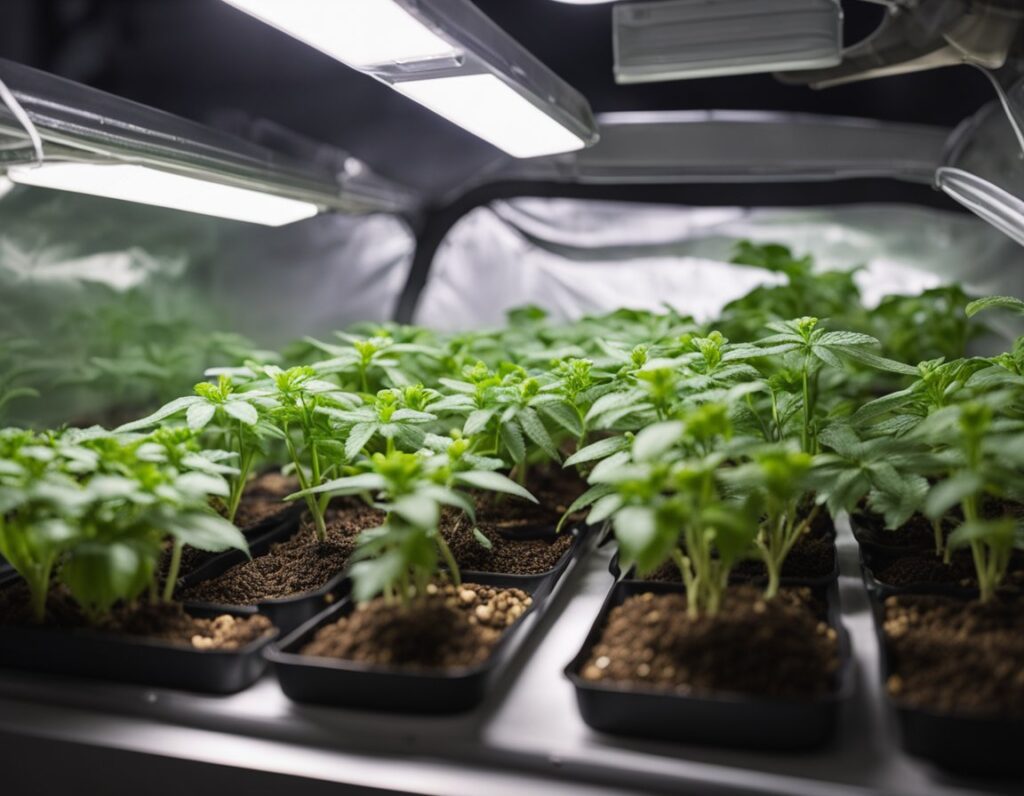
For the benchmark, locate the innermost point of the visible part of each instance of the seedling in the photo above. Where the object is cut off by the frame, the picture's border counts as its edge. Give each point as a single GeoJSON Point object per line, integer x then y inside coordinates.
{"type": "Point", "coordinates": [232, 420]}
{"type": "Point", "coordinates": [401, 556]}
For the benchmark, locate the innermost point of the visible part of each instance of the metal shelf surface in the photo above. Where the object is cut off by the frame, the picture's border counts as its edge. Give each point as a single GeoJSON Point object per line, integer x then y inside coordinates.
{"type": "Point", "coordinates": [527, 735]}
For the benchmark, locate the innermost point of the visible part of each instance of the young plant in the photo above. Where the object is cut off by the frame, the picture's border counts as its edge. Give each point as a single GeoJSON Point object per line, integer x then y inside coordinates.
{"type": "Point", "coordinates": [501, 411]}
{"type": "Point", "coordinates": [231, 419]}
{"type": "Point", "coordinates": [401, 556]}
{"type": "Point", "coordinates": [989, 457]}
{"type": "Point", "coordinates": [810, 348]}
{"type": "Point", "coordinates": [299, 396]}
{"type": "Point", "coordinates": [387, 416]}
{"type": "Point", "coordinates": [775, 480]}
{"type": "Point", "coordinates": [668, 503]}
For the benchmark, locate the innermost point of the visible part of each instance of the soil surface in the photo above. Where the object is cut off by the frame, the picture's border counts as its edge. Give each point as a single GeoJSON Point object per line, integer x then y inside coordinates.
{"type": "Point", "coordinates": [168, 623]}
{"type": "Point", "coordinates": [811, 557]}
{"type": "Point", "coordinates": [295, 566]}
{"type": "Point", "coordinates": [917, 532]}
{"type": "Point", "coordinates": [928, 568]}
{"type": "Point", "coordinates": [768, 648]}
{"type": "Point", "coordinates": [508, 555]}
{"type": "Point", "coordinates": [261, 501]}
{"type": "Point", "coordinates": [555, 490]}
{"type": "Point", "coordinates": [953, 656]}
{"type": "Point", "coordinates": [447, 628]}
{"type": "Point", "coordinates": [262, 498]}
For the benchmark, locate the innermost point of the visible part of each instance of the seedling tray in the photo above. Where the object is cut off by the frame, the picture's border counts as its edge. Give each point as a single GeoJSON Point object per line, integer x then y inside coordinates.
{"type": "Point", "coordinates": [151, 662]}
{"type": "Point", "coordinates": [725, 720]}
{"type": "Point", "coordinates": [958, 743]}
{"type": "Point", "coordinates": [286, 613]}
{"type": "Point", "coordinates": [538, 585]}
{"type": "Point", "coordinates": [872, 559]}
{"type": "Point", "coordinates": [867, 540]}
{"type": "Point", "coordinates": [821, 581]}
{"type": "Point", "coordinates": [331, 681]}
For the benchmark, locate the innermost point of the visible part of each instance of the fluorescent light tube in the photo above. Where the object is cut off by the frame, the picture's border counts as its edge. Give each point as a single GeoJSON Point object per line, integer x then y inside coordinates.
{"type": "Point", "coordinates": [488, 108]}
{"type": "Point", "coordinates": [360, 33]}
{"type": "Point", "coordinates": [144, 185]}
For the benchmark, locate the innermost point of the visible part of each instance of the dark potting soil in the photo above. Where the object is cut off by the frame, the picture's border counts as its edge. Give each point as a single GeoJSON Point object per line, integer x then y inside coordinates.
{"type": "Point", "coordinates": [810, 557]}
{"type": "Point", "coordinates": [926, 567]}
{"type": "Point", "coordinates": [916, 532]}
{"type": "Point", "coordinates": [295, 566]}
{"type": "Point", "coordinates": [769, 648]}
{"type": "Point", "coordinates": [164, 622]}
{"type": "Point", "coordinates": [446, 628]}
{"type": "Point", "coordinates": [952, 656]}
{"type": "Point", "coordinates": [263, 498]}
{"type": "Point", "coordinates": [261, 501]}
{"type": "Point", "coordinates": [507, 555]}
{"type": "Point", "coordinates": [555, 490]}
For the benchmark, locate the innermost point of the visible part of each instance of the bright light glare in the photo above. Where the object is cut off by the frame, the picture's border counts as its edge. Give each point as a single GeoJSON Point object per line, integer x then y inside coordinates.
{"type": "Point", "coordinates": [153, 187]}
{"type": "Point", "coordinates": [357, 32]}
{"type": "Point", "coordinates": [490, 109]}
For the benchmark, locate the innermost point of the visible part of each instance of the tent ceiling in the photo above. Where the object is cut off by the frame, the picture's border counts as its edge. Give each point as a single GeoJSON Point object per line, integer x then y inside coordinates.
{"type": "Point", "coordinates": [201, 59]}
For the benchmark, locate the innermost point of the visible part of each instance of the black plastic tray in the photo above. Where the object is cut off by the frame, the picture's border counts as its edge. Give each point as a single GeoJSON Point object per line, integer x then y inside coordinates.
{"type": "Point", "coordinates": [329, 681]}
{"type": "Point", "coordinates": [871, 558]}
{"type": "Point", "coordinates": [961, 744]}
{"type": "Point", "coordinates": [725, 720]}
{"type": "Point", "coordinates": [286, 613]}
{"type": "Point", "coordinates": [821, 581]}
{"type": "Point", "coordinates": [87, 653]}
{"type": "Point", "coordinates": [866, 537]}
{"type": "Point", "coordinates": [540, 584]}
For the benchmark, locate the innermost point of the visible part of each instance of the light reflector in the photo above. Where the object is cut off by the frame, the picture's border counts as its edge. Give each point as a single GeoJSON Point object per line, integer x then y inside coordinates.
{"type": "Point", "coordinates": [360, 33]}
{"type": "Point", "coordinates": [488, 108]}
{"type": "Point", "coordinates": [678, 39]}
{"type": "Point", "coordinates": [133, 183]}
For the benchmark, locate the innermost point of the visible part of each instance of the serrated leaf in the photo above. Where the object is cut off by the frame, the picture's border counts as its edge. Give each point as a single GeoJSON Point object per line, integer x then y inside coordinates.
{"type": "Point", "coordinates": [512, 436]}
{"type": "Point", "coordinates": [493, 482]}
{"type": "Point", "coordinates": [206, 532]}
{"type": "Point", "coordinates": [242, 411]}
{"type": "Point", "coordinates": [990, 302]}
{"type": "Point", "coordinates": [477, 421]}
{"type": "Point", "coordinates": [165, 411]}
{"type": "Point", "coordinates": [198, 415]}
{"type": "Point", "coordinates": [358, 436]}
{"type": "Point", "coordinates": [598, 450]}
{"type": "Point", "coordinates": [535, 430]}
{"type": "Point", "coordinates": [654, 441]}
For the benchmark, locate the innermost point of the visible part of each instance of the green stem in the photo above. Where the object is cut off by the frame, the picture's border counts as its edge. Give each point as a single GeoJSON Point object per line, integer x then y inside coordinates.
{"type": "Point", "coordinates": [446, 553]}
{"type": "Point", "coordinates": [806, 432]}
{"type": "Point", "coordinates": [172, 571]}
{"type": "Point", "coordinates": [940, 539]}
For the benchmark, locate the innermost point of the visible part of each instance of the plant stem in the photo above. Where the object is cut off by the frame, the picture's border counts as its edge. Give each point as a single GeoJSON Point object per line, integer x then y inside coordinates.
{"type": "Point", "coordinates": [446, 553]}
{"type": "Point", "coordinates": [172, 571]}
{"type": "Point", "coordinates": [806, 431]}
{"type": "Point", "coordinates": [940, 539]}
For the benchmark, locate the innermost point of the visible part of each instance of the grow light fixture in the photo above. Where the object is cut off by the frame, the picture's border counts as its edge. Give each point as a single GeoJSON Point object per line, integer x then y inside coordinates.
{"type": "Point", "coordinates": [58, 134]}
{"type": "Point", "coordinates": [144, 185]}
{"type": "Point", "coordinates": [449, 57]}
{"type": "Point", "coordinates": [360, 33]}
{"type": "Point", "coordinates": [679, 39]}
